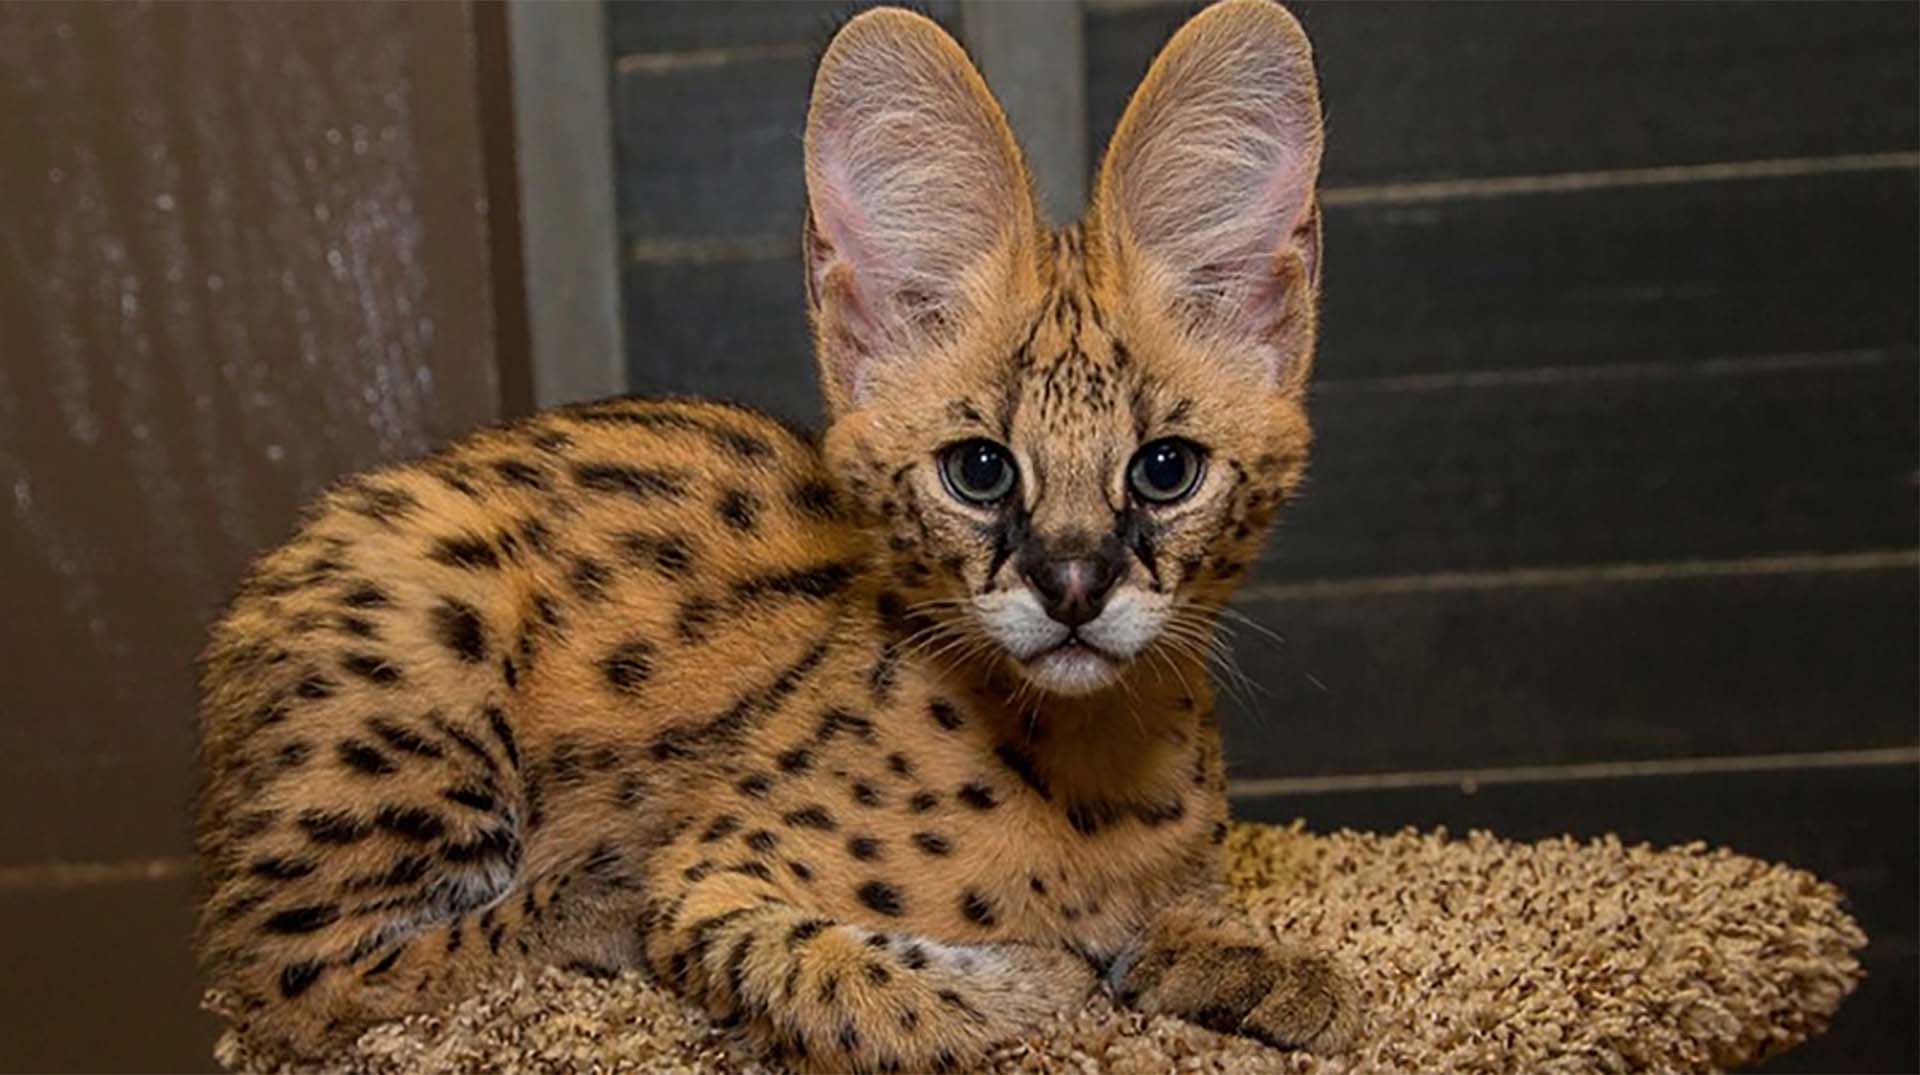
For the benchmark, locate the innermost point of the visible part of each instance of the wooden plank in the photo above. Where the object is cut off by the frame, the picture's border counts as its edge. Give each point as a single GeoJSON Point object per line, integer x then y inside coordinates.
{"type": "Point", "coordinates": [1476, 89]}
{"type": "Point", "coordinates": [1606, 277]}
{"type": "Point", "coordinates": [1033, 56]}
{"type": "Point", "coordinates": [712, 151]}
{"type": "Point", "coordinates": [248, 254]}
{"type": "Point", "coordinates": [571, 277]}
{"type": "Point", "coordinates": [737, 330]}
{"type": "Point", "coordinates": [1660, 466]}
{"type": "Point", "coordinates": [1686, 271]}
{"type": "Point", "coordinates": [1855, 827]}
{"type": "Point", "coordinates": [654, 26]}
{"type": "Point", "coordinates": [1578, 672]}
{"type": "Point", "coordinates": [104, 980]}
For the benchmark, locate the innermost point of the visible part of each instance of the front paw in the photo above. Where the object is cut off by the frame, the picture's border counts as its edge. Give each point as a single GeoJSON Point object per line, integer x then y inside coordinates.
{"type": "Point", "coordinates": [1285, 998]}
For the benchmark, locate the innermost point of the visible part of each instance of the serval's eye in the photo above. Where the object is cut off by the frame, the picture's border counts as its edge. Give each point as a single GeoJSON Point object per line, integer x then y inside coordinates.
{"type": "Point", "coordinates": [978, 471]}
{"type": "Point", "coordinates": [1166, 470]}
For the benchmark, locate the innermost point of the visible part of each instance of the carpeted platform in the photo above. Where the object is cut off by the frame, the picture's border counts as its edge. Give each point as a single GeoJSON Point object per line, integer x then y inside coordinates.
{"type": "Point", "coordinates": [1476, 955]}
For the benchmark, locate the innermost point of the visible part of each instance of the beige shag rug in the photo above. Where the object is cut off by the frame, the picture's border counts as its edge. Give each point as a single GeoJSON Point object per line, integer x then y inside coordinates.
{"type": "Point", "coordinates": [1475, 955]}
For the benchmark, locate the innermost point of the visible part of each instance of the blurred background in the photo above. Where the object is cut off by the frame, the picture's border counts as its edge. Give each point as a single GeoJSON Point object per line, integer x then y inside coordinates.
{"type": "Point", "coordinates": [1611, 526]}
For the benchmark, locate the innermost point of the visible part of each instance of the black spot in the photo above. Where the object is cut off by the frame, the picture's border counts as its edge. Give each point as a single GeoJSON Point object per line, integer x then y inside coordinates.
{"type": "Point", "coordinates": [801, 870]}
{"type": "Point", "coordinates": [293, 755]}
{"type": "Point", "coordinates": [864, 848]}
{"type": "Point", "coordinates": [756, 870]}
{"type": "Point", "coordinates": [878, 974]}
{"type": "Point", "coordinates": [357, 627]}
{"type": "Point", "coordinates": [944, 714]}
{"type": "Point", "coordinates": [740, 443]}
{"type": "Point", "coordinates": [509, 672]}
{"type": "Point", "coordinates": [1219, 833]}
{"type": "Point", "coordinates": [755, 784]}
{"type": "Point", "coordinates": [362, 758]}
{"type": "Point", "coordinates": [457, 626]}
{"type": "Point", "coordinates": [365, 595]}
{"type": "Point", "coordinates": [881, 897]}
{"type": "Point", "coordinates": [470, 797]}
{"type": "Point", "coordinates": [589, 578]}
{"type": "Point", "coordinates": [737, 509]}
{"type": "Point", "coordinates": [915, 957]}
{"type": "Point", "coordinates": [602, 862]}
{"type": "Point", "coordinates": [1022, 767]}
{"type": "Point", "coordinates": [797, 760]}
{"type": "Point", "coordinates": [978, 796]}
{"type": "Point", "coordinates": [696, 615]}
{"type": "Point", "coordinates": [953, 999]}
{"type": "Point", "coordinates": [629, 666]}
{"type": "Point", "coordinates": [466, 551]}
{"type": "Point", "coordinates": [885, 674]}
{"type": "Point", "coordinates": [698, 871]}
{"type": "Point", "coordinates": [762, 841]}
{"type": "Point", "coordinates": [521, 473]}
{"type": "Point", "coordinates": [641, 483]}
{"type": "Point", "coordinates": [866, 794]}
{"type": "Point", "coordinates": [296, 977]}
{"type": "Point", "coordinates": [381, 503]}
{"type": "Point", "coordinates": [977, 908]}
{"type": "Point", "coordinates": [304, 919]}
{"type": "Point", "coordinates": [547, 610]}
{"type": "Point", "coordinates": [274, 868]}
{"type": "Point", "coordinates": [722, 827]}
{"type": "Point", "coordinates": [671, 555]}
{"type": "Point", "coordinates": [816, 583]}
{"type": "Point", "coordinates": [1156, 814]}
{"type": "Point", "coordinates": [374, 669]}
{"type": "Point", "coordinates": [805, 930]}
{"type": "Point", "coordinates": [923, 801]}
{"type": "Point", "coordinates": [900, 765]}
{"type": "Point", "coordinates": [1084, 819]}
{"type": "Point", "coordinates": [810, 817]}
{"type": "Point", "coordinates": [403, 739]}
{"type": "Point", "coordinates": [332, 827]}
{"type": "Point", "coordinates": [552, 440]}
{"type": "Point", "coordinates": [462, 739]}
{"type": "Point", "coordinates": [1039, 887]}
{"type": "Point", "coordinates": [406, 871]}
{"type": "Point", "coordinates": [497, 723]}
{"type": "Point", "coordinates": [411, 822]}
{"type": "Point", "coordinates": [932, 843]}
{"type": "Point", "coordinates": [314, 687]}
{"type": "Point", "coordinates": [816, 499]}
{"type": "Point", "coordinates": [836, 720]}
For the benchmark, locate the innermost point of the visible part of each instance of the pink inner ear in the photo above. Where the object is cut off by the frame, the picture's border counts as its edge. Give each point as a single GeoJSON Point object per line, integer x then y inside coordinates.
{"type": "Point", "coordinates": [842, 226]}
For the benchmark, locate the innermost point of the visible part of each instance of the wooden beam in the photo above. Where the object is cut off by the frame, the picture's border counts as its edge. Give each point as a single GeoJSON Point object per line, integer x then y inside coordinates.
{"type": "Point", "coordinates": [1033, 54]}
{"type": "Point", "coordinates": [564, 155]}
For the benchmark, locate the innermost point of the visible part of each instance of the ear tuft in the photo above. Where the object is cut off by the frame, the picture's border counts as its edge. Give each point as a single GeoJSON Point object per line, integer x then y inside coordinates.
{"type": "Point", "coordinates": [1208, 185]}
{"type": "Point", "coordinates": [915, 191]}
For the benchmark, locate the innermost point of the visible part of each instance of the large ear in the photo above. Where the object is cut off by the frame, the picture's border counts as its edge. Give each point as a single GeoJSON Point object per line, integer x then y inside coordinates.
{"type": "Point", "coordinates": [1206, 196]}
{"type": "Point", "coordinates": [918, 205]}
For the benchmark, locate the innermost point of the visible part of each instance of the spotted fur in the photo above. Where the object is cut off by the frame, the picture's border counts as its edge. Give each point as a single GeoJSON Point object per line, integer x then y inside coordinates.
{"type": "Point", "coordinates": [666, 684]}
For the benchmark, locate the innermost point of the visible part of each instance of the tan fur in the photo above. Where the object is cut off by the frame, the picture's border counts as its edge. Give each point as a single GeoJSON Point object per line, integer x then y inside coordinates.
{"type": "Point", "coordinates": [660, 682]}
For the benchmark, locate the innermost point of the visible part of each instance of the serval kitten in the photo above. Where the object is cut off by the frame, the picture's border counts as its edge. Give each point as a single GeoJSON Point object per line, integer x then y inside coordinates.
{"type": "Point", "coordinates": [881, 747]}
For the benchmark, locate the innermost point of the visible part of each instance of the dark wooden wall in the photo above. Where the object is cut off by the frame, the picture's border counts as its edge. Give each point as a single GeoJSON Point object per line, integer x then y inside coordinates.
{"type": "Point", "coordinates": [1612, 523]}
{"type": "Point", "coordinates": [243, 250]}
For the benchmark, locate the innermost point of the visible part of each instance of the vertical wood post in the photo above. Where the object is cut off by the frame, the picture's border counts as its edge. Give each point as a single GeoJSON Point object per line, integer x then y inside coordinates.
{"type": "Point", "coordinates": [1034, 56]}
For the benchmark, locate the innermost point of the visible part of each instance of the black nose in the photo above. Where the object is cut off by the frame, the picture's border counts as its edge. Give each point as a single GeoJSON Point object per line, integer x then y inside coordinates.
{"type": "Point", "coordinates": [1073, 591]}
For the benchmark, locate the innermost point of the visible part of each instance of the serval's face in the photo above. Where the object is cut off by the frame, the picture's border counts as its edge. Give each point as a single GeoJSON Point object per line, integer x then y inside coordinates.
{"type": "Point", "coordinates": [1075, 439]}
